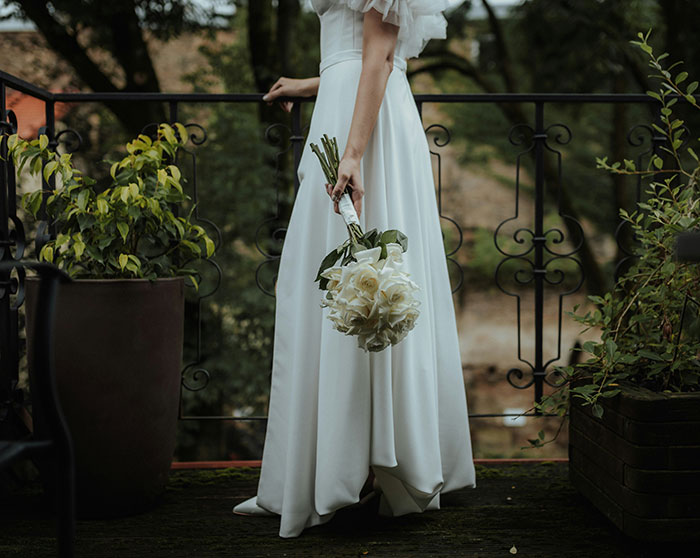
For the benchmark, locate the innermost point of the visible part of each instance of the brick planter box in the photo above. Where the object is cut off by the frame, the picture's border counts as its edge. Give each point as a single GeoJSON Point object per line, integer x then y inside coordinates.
{"type": "Point", "coordinates": [640, 463]}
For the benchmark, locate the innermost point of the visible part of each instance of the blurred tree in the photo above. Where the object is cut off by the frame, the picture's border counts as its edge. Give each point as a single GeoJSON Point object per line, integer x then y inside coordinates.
{"type": "Point", "coordinates": [564, 46]}
{"type": "Point", "coordinates": [274, 41]}
{"type": "Point", "coordinates": [81, 30]}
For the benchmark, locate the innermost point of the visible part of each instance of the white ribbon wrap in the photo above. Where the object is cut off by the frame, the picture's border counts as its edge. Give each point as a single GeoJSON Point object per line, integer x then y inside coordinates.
{"type": "Point", "coordinates": [347, 210]}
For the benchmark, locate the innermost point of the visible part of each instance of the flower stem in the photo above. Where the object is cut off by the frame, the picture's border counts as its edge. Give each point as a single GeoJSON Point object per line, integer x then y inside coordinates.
{"type": "Point", "coordinates": [330, 160]}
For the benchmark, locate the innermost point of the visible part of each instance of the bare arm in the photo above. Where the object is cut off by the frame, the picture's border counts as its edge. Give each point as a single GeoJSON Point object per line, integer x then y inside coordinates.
{"type": "Point", "coordinates": [378, 44]}
{"type": "Point", "coordinates": [291, 87]}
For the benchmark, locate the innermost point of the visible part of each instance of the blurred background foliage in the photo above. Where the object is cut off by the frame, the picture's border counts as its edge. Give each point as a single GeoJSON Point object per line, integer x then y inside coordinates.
{"type": "Point", "coordinates": [244, 179]}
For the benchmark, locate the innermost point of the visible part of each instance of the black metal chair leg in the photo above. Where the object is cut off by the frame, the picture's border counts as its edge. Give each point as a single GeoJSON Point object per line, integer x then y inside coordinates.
{"type": "Point", "coordinates": [65, 505]}
{"type": "Point", "coordinates": [51, 437]}
{"type": "Point", "coordinates": [65, 469]}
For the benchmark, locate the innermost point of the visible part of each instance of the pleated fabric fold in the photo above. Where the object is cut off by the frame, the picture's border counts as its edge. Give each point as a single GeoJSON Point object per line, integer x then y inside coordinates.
{"type": "Point", "coordinates": [334, 409]}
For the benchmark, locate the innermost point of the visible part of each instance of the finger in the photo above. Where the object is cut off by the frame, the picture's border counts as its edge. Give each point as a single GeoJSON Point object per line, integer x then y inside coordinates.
{"type": "Point", "coordinates": [357, 201]}
{"type": "Point", "coordinates": [286, 106]}
{"type": "Point", "coordinates": [356, 196]}
{"type": "Point", "coordinates": [279, 83]}
{"type": "Point", "coordinates": [339, 187]}
{"type": "Point", "coordinates": [336, 208]}
{"type": "Point", "coordinates": [274, 91]}
{"type": "Point", "coordinates": [281, 91]}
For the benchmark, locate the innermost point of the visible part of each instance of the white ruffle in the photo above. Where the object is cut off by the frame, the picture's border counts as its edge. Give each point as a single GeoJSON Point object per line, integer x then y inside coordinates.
{"type": "Point", "coordinates": [418, 20]}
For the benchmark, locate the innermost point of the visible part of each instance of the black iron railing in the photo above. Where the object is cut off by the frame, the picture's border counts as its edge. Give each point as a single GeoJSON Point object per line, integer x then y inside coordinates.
{"type": "Point", "coordinates": [538, 251]}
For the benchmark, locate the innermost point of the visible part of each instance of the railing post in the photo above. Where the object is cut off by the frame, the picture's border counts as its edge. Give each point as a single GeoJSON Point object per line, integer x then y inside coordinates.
{"type": "Point", "coordinates": [6, 372]}
{"type": "Point", "coordinates": [46, 231]}
{"type": "Point", "coordinates": [540, 137]}
{"type": "Point", "coordinates": [9, 319]}
{"type": "Point", "coordinates": [173, 111]}
{"type": "Point", "coordinates": [297, 140]}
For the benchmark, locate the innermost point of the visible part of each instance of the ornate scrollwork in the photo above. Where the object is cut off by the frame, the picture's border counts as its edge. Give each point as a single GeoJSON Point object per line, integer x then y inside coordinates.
{"type": "Point", "coordinates": [200, 378]}
{"type": "Point", "coordinates": [441, 138]}
{"type": "Point", "coordinates": [638, 140]}
{"type": "Point", "coordinates": [274, 136]}
{"type": "Point", "coordinates": [150, 130]}
{"type": "Point", "coordinates": [193, 376]}
{"type": "Point", "coordinates": [562, 138]}
{"type": "Point", "coordinates": [71, 139]}
{"type": "Point", "coordinates": [516, 375]}
{"type": "Point", "coordinates": [517, 136]}
{"type": "Point", "coordinates": [637, 136]}
{"type": "Point", "coordinates": [197, 133]}
{"type": "Point", "coordinates": [536, 244]}
{"type": "Point", "coordinates": [277, 135]}
{"type": "Point", "coordinates": [12, 248]}
{"type": "Point", "coordinates": [436, 139]}
{"type": "Point", "coordinates": [9, 125]}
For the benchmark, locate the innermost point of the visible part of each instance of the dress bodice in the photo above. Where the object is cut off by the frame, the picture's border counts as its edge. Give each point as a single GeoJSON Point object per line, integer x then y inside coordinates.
{"type": "Point", "coordinates": [341, 24]}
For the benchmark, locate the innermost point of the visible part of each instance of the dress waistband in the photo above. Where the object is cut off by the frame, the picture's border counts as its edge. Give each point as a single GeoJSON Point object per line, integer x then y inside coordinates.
{"type": "Point", "coordinates": [354, 54]}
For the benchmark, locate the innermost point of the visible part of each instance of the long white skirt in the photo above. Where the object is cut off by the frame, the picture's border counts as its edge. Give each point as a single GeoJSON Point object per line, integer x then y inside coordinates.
{"type": "Point", "coordinates": [334, 409]}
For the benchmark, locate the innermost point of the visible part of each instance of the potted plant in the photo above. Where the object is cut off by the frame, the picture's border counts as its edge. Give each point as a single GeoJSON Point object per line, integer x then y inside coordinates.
{"type": "Point", "coordinates": [634, 404]}
{"type": "Point", "coordinates": [119, 324]}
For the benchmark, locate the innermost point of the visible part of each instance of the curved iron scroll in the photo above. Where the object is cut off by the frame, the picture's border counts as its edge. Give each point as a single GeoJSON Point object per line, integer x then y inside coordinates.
{"type": "Point", "coordinates": [538, 258]}
{"type": "Point", "coordinates": [12, 248]}
{"type": "Point", "coordinates": [194, 377]}
{"type": "Point", "coordinates": [275, 227]}
{"type": "Point", "coordinates": [441, 139]}
{"type": "Point", "coordinates": [637, 136]}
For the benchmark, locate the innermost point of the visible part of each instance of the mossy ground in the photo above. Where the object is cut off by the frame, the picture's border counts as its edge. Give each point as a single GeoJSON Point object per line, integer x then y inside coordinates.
{"type": "Point", "coordinates": [531, 506]}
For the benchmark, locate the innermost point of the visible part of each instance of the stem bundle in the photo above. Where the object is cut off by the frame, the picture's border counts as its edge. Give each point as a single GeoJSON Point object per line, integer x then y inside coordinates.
{"type": "Point", "coordinates": [330, 160]}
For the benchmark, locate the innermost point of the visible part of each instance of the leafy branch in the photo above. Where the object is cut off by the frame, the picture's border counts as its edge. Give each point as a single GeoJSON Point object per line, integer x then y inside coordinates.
{"type": "Point", "coordinates": [129, 229]}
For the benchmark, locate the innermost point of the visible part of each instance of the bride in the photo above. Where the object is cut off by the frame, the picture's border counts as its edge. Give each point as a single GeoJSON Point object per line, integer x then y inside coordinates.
{"type": "Point", "coordinates": [345, 426]}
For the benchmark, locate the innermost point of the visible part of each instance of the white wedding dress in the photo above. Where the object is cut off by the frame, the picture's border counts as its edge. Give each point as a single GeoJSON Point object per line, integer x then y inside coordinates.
{"type": "Point", "coordinates": [334, 409]}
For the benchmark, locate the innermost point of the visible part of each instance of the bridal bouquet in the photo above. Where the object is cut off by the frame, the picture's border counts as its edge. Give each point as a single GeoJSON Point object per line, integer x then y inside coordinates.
{"type": "Point", "coordinates": [368, 294]}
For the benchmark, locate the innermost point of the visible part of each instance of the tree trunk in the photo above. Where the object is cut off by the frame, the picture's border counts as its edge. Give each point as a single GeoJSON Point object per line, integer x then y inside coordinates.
{"type": "Point", "coordinates": [130, 51]}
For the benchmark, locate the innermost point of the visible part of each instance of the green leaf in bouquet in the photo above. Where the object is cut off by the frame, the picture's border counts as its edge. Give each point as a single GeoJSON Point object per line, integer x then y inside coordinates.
{"type": "Point", "coordinates": [389, 236]}
{"type": "Point", "coordinates": [329, 261]}
{"type": "Point", "coordinates": [402, 240]}
{"type": "Point", "coordinates": [395, 236]}
{"type": "Point", "coordinates": [371, 237]}
{"type": "Point", "coordinates": [359, 246]}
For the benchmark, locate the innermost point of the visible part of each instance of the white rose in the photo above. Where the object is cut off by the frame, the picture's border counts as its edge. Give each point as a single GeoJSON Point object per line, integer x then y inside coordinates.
{"type": "Point", "coordinates": [374, 341]}
{"type": "Point", "coordinates": [333, 275]}
{"type": "Point", "coordinates": [394, 252]}
{"type": "Point", "coordinates": [366, 278]}
{"type": "Point", "coordinates": [370, 253]}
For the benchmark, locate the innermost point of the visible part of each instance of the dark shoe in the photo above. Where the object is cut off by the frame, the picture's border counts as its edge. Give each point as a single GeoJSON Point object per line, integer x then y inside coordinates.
{"type": "Point", "coordinates": [369, 485]}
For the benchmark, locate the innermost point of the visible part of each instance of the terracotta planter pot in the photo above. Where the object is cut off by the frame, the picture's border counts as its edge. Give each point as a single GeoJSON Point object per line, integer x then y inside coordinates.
{"type": "Point", "coordinates": [118, 355]}
{"type": "Point", "coordinates": [640, 463]}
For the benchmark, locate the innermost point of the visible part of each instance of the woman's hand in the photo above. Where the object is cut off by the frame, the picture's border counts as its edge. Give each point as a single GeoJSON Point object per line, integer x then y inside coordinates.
{"type": "Point", "coordinates": [348, 175]}
{"type": "Point", "coordinates": [290, 87]}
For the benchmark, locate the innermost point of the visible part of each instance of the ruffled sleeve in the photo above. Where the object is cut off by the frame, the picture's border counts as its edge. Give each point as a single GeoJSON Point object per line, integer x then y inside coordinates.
{"type": "Point", "coordinates": [418, 20]}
